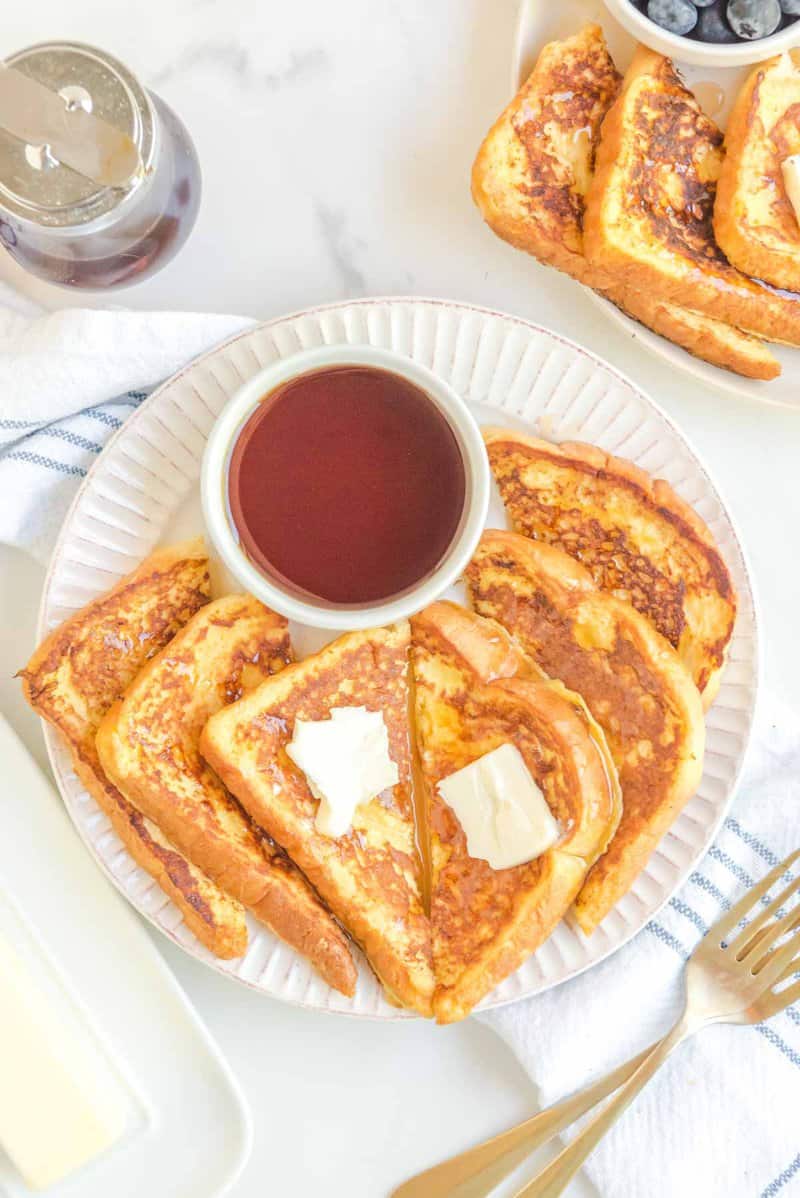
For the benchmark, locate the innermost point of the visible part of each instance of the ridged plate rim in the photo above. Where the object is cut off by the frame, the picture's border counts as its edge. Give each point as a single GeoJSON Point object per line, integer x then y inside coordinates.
{"type": "Point", "coordinates": [205, 384]}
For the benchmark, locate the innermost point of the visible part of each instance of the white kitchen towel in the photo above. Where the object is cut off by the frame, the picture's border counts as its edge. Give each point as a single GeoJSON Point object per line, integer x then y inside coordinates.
{"type": "Point", "coordinates": [68, 380]}
{"type": "Point", "coordinates": [722, 1117]}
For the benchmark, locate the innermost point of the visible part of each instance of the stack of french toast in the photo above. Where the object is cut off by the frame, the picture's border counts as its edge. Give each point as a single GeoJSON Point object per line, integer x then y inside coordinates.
{"type": "Point", "coordinates": [596, 636]}
{"type": "Point", "coordinates": [628, 186]}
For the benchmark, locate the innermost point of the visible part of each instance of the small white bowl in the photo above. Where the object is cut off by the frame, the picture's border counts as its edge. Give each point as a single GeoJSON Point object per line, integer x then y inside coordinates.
{"type": "Point", "coordinates": [701, 54]}
{"type": "Point", "coordinates": [319, 614]}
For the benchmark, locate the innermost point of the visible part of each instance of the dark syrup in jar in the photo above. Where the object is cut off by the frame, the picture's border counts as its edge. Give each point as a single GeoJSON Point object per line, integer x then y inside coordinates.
{"type": "Point", "coordinates": [139, 242]}
{"type": "Point", "coordinates": [348, 484]}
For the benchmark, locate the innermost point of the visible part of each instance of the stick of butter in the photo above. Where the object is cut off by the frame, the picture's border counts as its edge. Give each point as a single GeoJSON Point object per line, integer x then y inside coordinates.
{"type": "Point", "coordinates": [57, 1110]}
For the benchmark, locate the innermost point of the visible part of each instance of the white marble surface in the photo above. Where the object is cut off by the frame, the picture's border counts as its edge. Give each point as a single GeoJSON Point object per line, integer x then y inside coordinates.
{"type": "Point", "coordinates": [336, 141]}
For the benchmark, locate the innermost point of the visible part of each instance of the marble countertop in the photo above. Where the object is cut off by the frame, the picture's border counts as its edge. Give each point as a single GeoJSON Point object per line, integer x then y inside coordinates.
{"type": "Point", "coordinates": [336, 142]}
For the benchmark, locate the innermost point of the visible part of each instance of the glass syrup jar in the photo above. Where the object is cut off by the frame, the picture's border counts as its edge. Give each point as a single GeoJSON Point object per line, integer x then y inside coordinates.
{"type": "Point", "coordinates": [75, 231]}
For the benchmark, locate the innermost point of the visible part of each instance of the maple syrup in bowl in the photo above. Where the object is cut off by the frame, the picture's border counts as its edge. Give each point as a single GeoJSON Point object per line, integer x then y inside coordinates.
{"type": "Point", "coordinates": [345, 487]}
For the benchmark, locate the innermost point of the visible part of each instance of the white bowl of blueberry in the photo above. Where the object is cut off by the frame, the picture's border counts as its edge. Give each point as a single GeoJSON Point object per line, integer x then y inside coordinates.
{"type": "Point", "coordinates": [712, 32]}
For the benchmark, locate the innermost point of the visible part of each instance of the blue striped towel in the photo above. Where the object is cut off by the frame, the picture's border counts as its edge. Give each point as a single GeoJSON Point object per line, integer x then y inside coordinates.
{"type": "Point", "coordinates": [67, 381]}
{"type": "Point", "coordinates": [722, 1117]}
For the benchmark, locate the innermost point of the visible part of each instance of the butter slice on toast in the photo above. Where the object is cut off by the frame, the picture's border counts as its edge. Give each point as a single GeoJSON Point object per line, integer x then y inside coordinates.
{"type": "Point", "coordinates": [636, 537]}
{"type": "Point", "coordinates": [148, 747]}
{"type": "Point", "coordinates": [754, 220]}
{"type": "Point", "coordinates": [371, 877]}
{"type": "Point", "coordinates": [83, 667]}
{"type": "Point", "coordinates": [649, 208]}
{"type": "Point", "coordinates": [531, 177]}
{"type": "Point", "coordinates": [474, 691]}
{"type": "Point", "coordinates": [631, 679]}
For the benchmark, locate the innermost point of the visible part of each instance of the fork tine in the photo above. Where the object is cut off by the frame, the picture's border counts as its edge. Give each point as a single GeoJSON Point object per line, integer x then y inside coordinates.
{"type": "Point", "coordinates": [792, 969]}
{"type": "Point", "coordinates": [777, 1001]}
{"type": "Point", "coordinates": [770, 967]}
{"type": "Point", "coordinates": [731, 918]}
{"type": "Point", "coordinates": [770, 936]}
{"type": "Point", "coordinates": [755, 925]}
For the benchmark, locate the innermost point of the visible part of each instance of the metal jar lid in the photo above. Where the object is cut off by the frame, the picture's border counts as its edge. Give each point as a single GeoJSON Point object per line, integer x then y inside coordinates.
{"type": "Point", "coordinates": [37, 186]}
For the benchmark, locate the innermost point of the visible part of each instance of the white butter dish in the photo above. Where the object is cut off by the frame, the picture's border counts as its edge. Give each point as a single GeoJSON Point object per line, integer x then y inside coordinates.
{"type": "Point", "coordinates": [185, 1128]}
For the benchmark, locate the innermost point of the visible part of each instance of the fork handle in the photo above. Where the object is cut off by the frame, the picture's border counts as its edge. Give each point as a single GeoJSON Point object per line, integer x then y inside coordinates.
{"type": "Point", "coordinates": [555, 1177]}
{"type": "Point", "coordinates": [449, 1178]}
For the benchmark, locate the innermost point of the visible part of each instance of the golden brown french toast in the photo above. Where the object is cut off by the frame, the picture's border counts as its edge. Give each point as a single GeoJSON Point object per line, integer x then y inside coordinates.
{"type": "Point", "coordinates": [370, 877]}
{"type": "Point", "coordinates": [754, 220]}
{"type": "Point", "coordinates": [148, 746]}
{"type": "Point", "coordinates": [632, 680]}
{"type": "Point", "coordinates": [530, 180]}
{"type": "Point", "coordinates": [710, 340]}
{"type": "Point", "coordinates": [474, 691]}
{"type": "Point", "coordinates": [83, 667]}
{"type": "Point", "coordinates": [534, 166]}
{"type": "Point", "coordinates": [650, 204]}
{"type": "Point", "coordinates": [636, 537]}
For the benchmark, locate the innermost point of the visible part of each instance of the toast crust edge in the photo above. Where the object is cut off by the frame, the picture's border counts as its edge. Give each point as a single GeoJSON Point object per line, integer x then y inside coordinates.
{"type": "Point", "coordinates": [217, 921]}
{"type": "Point", "coordinates": [654, 491]}
{"type": "Point", "coordinates": [603, 888]}
{"type": "Point", "coordinates": [286, 903]}
{"type": "Point", "coordinates": [402, 988]}
{"type": "Point", "coordinates": [753, 258]}
{"type": "Point", "coordinates": [770, 314]}
{"type": "Point", "coordinates": [500, 661]}
{"type": "Point", "coordinates": [712, 341]}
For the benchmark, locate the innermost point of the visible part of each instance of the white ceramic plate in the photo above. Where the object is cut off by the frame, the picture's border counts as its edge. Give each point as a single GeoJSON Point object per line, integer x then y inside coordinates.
{"type": "Point", "coordinates": [716, 89]}
{"type": "Point", "coordinates": [188, 1132]}
{"type": "Point", "coordinates": [143, 490]}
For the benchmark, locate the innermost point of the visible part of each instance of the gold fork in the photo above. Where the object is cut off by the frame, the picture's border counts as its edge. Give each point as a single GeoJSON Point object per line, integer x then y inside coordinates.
{"type": "Point", "coordinates": [727, 981]}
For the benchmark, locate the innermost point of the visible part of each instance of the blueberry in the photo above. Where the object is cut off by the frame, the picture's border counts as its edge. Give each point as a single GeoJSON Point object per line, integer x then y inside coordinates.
{"type": "Point", "coordinates": [703, 3]}
{"type": "Point", "coordinates": [751, 19]}
{"type": "Point", "coordinates": [676, 16]}
{"type": "Point", "coordinates": [791, 7]}
{"type": "Point", "coordinates": [712, 26]}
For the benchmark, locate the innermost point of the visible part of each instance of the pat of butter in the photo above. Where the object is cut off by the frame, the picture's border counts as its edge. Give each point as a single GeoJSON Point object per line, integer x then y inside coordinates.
{"type": "Point", "coordinates": [56, 1110]}
{"type": "Point", "coordinates": [503, 812]}
{"type": "Point", "coordinates": [346, 762]}
{"type": "Point", "coordinates": [791, 181]}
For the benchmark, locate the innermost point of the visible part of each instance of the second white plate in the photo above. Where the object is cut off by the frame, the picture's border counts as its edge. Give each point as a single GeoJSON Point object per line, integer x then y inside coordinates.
{"type": "Point", "coordinates": [716, 89]}
{"type": "Point", "coordinates": [143, 489]}
{"type": "Point", "coordinates": [189, 1131]}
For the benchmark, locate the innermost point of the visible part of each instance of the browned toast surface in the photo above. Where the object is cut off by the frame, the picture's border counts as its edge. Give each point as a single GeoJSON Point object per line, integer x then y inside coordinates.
{"type": "Point", "coordinates": [473, 693]}
{"type": "Point", "coordinates": [754, 220]}
{"type": "Point", "coordinates": [148, 746]}
{"type": "Point", "coordinates": [83, 667]}
{"type": "Point", "coordinates": [633, 683]}
{"type": "Point", "coordinates": [531, 177]}
{"type": "Point", "coordinates": [636, 537]}
{"type": "Point", "coordinates": [371, 877]}
{"type": "Point", "coordinates": [649, 209]}
{"type": "Point", "coordinates": [534, 166]}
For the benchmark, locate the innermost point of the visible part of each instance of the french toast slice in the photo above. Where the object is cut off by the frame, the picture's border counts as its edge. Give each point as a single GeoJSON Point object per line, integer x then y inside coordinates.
{"type": "Point", "coordinates": [533, 169]}
{"type": "Point", "coordinates": [530, 180]}
{"type": "Point", "coordinates": [148, 746]}
{"type": "Point", "coordinates": [371, 877]}
{"type": "Point", "coordinates": [636, 537]}
{"type": "Point", "coordinates": [474, 691]}
{"type": "Point", "coordinates": [83, 667]}
{"type": "Point", "coordinates": [631, 679]}
{"type": "Point", "coordinates": [649, 208]}
{"type": "Point", "coordinates": [754, 220]}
